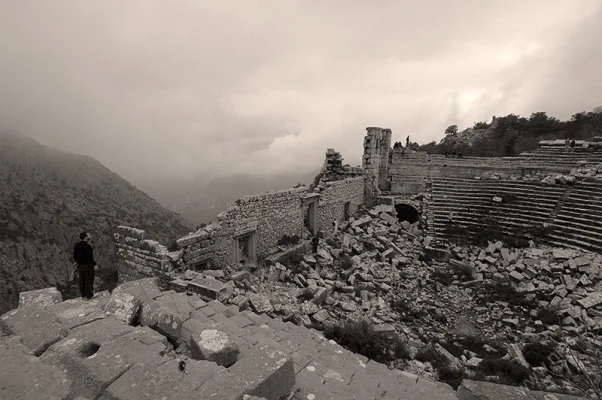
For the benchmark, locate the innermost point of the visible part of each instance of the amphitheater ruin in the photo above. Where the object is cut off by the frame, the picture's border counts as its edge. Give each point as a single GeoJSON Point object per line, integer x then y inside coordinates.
{"type": "Point", "coordinates": [232, 311]}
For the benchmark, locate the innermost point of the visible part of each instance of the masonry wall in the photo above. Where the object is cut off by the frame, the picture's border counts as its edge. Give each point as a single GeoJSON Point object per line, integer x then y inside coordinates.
{"type": "Point", "coordinates": [269, 215]}
{"type": "Point", "coordinates": [375, 162]}
{"type": "Point", "coordinates": [138, 257]}
{"type": "Point", "coordinates": [406, 174]}
{"type": "Point", "coordinates": [333, 196]}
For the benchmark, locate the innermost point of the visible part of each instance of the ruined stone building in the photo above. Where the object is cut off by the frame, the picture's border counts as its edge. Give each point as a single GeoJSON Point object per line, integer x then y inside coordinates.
{"type": "Point", "coordinates": [540, 185]}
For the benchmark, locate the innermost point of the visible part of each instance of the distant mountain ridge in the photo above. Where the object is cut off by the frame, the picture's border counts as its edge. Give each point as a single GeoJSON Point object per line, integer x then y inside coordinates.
{"type": "Point", "coordinates": [202, 204]}
{"type": "Point", "coordinates": [47, 197]}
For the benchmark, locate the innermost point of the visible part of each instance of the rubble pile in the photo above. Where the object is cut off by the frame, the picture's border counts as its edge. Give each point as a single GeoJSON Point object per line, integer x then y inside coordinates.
{"type": "Point", "coordinates": [374, 269]}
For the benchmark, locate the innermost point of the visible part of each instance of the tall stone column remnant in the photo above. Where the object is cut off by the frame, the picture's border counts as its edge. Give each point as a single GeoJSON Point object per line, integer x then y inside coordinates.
{"type": "Point", "coordinates": [377, 144]}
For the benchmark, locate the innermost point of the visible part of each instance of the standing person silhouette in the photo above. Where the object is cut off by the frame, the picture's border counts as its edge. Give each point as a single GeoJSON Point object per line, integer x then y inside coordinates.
{"type": "Point", "coordinates": [83, 255]}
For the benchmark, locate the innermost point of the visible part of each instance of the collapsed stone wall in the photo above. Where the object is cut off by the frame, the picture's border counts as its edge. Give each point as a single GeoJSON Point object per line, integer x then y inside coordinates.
{"type": "Point", "coordinates": [138, 257]}
{"type": "Point", "coordinates": [269, 216]}
{"type": "Point", "coordinates": [333, 197]}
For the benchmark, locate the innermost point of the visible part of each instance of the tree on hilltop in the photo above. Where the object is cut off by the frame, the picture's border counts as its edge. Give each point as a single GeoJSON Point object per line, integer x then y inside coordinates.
{"type": "Point", "coordinates": [451, 130]}
{"type": "Point", "coordinates": [481, 125]}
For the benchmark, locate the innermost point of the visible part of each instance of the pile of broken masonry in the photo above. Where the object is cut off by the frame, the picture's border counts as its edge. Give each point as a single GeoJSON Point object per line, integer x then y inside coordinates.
{"type": "Point", "coordinates": [375, 262]}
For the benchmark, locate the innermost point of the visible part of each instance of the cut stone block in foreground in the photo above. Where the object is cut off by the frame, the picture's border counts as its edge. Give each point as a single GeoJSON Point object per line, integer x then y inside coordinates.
{"type": "Point", "coordinates": [210, 289]}
{"type": "Point", "coordinates": [25, 377]}
{"type": "Point", "coordinates": [213, 343]}
{"type": "Point", "coordinates": [41, 297]}
{"type": "Point", "coordinates": [93, 366]}
{"type": "Point", "coordinates": [260, 303]}
{"type": "Point", "coordinates": [145, 289]}
{"type": "Point", "coordinates": [160, 318]}
{"type": "Point", "coordinates": [171, 379]}
{"type": "Point", "coordinates": [473, 390]}
{"type": "Point", "coordinates": [76, 312]}
{"type": "Point", "coordinates": [124, 307]}
{"type": "Point", "coordinates": [223, 386]}
{"type": "Point", "coordinates": [268, 372]}
{"type": "Point", "coordinates": [37, 327]}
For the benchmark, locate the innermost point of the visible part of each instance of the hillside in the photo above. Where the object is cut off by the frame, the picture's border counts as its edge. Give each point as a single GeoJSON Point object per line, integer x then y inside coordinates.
{"type": "Point", "coordinates": [47, 197]}
{"type": "Point", "coordinates": [512, 134]}
{"type": "Point", "coordinates": [202, 204]}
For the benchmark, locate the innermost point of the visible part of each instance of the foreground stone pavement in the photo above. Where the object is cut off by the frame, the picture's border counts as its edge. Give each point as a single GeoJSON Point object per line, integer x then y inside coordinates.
{"type": "Point", "coordinates": [90, 352]}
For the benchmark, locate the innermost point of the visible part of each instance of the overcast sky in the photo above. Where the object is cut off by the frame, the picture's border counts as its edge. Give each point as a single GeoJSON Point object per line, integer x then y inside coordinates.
{"type": "Point", "coordinates": [175, 88]}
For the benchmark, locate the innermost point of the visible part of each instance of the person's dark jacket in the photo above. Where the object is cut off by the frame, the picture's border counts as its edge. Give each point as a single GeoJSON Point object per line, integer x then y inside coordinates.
{"type": "Point", "coordinates": [83, 253]}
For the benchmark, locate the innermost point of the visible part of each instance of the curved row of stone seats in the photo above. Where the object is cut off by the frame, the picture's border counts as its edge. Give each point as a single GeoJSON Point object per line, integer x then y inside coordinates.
{"type": "Point", "coordinates": [470, 200]}
{"type": "Point", "coordinates": [60, 350]}
{"type": "Point", "coordinates": [578, 223]}
{"type": "Point", "coordinates": [562, 158]}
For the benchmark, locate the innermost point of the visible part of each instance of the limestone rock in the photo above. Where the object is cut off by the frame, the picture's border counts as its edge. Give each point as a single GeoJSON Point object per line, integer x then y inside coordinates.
{"type": "Point", "coordinates": [260, 303]}
{"type": "Point", "coordinates": [160, 318]}
{"type": "Point", "coordinates": [123, 306]}
{"type": "Point", "coordinates": [214, 344]}
{"type": "Point", "coordinates": [37, 327]}
{"type": "Point", "coordinates": [75, 312]}
{"type": "Point", "coordinates": [25, 377]}
{"type": "Point", "coordinates": [592, 300]}
{"type": "Point", "coordinates": [41, 297]}
{"type": "Point", "coordinates": [452, 362]}
{"type": "Point", "coordinates": [162, 382]}
{"type": "Point", "coordinates": [269, 372]}
{"type": "Point", "coordinates": [210, 289]}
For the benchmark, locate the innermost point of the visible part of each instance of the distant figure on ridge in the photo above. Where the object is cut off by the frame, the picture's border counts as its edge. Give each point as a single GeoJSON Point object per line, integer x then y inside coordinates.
{"type": "Point", "coordinates": [572, 145]}
{"type": "Point", "coordinates": [460, 155]}
{"type": "Point", "coordinates": [566, 145]}
{"type": "Point", "coordinates": [314, 242]}
{"type": "Point", "coordinates": [83, 254]}
{"type": "Point", "coordinates": [428, 157]}
{"type": "Point", "coordinates": [408, 141]}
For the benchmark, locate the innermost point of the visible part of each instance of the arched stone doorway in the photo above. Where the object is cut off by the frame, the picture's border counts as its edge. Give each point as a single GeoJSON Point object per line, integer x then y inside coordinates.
{"type": "Point", "coordinates": [406, 212]}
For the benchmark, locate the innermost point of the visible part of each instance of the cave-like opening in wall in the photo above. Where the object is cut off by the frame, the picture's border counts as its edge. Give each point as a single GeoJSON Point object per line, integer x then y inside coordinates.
{"type": "Point", "coordinates": [406, 212]}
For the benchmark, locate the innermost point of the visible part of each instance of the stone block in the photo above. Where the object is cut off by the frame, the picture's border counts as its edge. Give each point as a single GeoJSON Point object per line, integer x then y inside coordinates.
{"type": "Point", "coordinates": [214, 343]}
{"type": "Point", "coordinates": [160, 318]}
{"type": "Point", "coordinates": [25, 377]}
{"type": "Point", "coordinates": [388, 218]}
{"type": "Point", "coordinates": [452, 362]}
{"type": "Point", "coordinates": [516, 276]}
{"type": "Point", "coordinates": [41, 297]}
{"type": "Point", "coordinates": [210, 289]}
{"type": "Point", "coordinates": [181, 377]}
{"type": "Point", "coordinates": [223, 386]}
{"type": "Point", "coordinates": [124, 307]}
{"type": "Point", "coordinates": [260, 303]}
{"type": "Point", "coordinates": [591, 301]}
{"type": "Point", "coordinates": [75, 312]}
{"type": "Point", "coordinates": [37, 327]}
{"type": "Point", "coordinates": [269, 373]}
{"type": "Point", "coordinates": [93, 366]}
{"type": "Point", "coordinates": [320, 296]}
{"type": "Point", "coordinates": [146, 289]}
{"type": "Point", "coordinates": [516, 355]}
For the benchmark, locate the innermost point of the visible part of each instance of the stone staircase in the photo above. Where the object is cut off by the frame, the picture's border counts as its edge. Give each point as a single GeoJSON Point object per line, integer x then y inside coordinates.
{"type": "Point", "coordinates": [83, 349]}
{"type": "Point", "coordinates": [575, 212]}
{"type": "Point", "coordinates": [578, 222]}
{"type": "Point", "coordinates": [323, 369]}
{"type": "Point", "coordinates": [471, 199]}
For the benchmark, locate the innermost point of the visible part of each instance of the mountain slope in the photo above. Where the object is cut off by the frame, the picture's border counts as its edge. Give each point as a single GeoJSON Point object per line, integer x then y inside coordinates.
{"type": "Point", "coordinates": [47, 197]}
{"type": "Point", "coordinates": [202, 204]}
